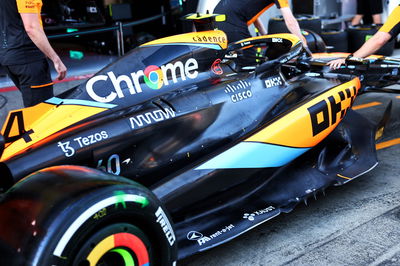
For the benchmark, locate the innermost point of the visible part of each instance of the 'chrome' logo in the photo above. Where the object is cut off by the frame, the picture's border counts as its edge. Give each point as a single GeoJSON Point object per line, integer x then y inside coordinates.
{"type": "Point", "coordinates": [153, 76]}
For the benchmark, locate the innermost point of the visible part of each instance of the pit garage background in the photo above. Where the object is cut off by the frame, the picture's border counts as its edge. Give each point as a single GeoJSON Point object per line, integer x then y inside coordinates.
{"type": "Point", "coordinates": [97, 32]}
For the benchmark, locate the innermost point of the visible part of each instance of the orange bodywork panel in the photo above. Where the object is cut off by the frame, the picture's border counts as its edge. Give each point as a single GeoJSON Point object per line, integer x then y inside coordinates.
{"type": "Point", "coordinates": [309, 124]}
{"type": "Point", "coordinates": [40, 121]}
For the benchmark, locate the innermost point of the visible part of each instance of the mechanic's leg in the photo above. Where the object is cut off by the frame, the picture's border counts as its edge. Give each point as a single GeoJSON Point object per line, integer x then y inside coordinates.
{"type": "Point", "coordinates": [377, 18]}
{"type": "Point", "coordinates": [376, 11]}
{"type": "Point", "coordinates": [34, 80]}
{"type": "Point", "coordinates": [12, 76]}
{"type": "Point", "coordinates": [361, 10]}
{"type": "Point", "coordinates": [356, 20]}
{"type": "Point", "coordinates": [42, 88]}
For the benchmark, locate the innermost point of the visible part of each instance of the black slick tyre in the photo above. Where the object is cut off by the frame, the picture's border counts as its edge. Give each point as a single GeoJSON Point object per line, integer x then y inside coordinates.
{"type": "Point", "coordinates": [81, 216]}
{"type": "Point", "coordinates": [358, 35]}
{"type": "Point", "coordinates": [336, 39]}
{"type": "Point", "coordinates": [307, 22]}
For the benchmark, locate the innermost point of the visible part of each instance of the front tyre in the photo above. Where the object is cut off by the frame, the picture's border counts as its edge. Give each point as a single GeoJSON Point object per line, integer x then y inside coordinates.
{"type": "Point", "coordinates": [71, 215]}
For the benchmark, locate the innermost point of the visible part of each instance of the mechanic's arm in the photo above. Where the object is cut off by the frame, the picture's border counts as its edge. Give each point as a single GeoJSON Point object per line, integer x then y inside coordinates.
{"type": "Point", "coordinates": [35, 31]}
{"type": "Point", "coordinates": [260, 26]}
{"type": "Point", "coordinates": [292, 24]}
{"type": "Point", "coordinates": [378, 40]}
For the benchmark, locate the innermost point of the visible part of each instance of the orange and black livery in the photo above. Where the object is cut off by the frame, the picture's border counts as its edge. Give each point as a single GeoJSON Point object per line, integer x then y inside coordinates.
{"type": "Point", "coordinates": [175, 149]}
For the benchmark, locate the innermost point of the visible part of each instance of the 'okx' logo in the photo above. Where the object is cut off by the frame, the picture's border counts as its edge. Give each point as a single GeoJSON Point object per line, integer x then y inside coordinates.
{"type": "Point", "coordinates": [324, 113]}
{"type": "Point", "coordinates": [153, 76]}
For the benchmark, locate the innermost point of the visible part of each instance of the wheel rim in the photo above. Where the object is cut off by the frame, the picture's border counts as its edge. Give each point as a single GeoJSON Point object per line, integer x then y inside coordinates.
{"type": "Point", "coordinates": [129, 248]}
{"type": "Point", "coordinates": [125, 255]}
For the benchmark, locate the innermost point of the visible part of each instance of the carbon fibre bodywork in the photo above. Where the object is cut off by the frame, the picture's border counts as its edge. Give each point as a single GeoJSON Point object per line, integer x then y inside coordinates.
{"type": "Point", "coordinates": [223, 148]}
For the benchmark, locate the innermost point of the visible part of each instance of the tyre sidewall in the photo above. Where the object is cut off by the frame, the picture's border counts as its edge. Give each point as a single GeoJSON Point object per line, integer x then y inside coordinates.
{"type": "Point", "coordinates": [143, 217]}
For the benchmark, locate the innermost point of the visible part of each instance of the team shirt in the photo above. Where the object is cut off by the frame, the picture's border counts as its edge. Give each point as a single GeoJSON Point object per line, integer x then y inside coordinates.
{"type": "Point", "coordinates": [246, 11]}
{"type": "Point", "coordinates": [16, 47]}
{"type": "Point", "coordinates": [392, 24]}
{"type": "Point", "coordinates": [252, 9]}
{"type": "Point", "coordinates": [30, 6]}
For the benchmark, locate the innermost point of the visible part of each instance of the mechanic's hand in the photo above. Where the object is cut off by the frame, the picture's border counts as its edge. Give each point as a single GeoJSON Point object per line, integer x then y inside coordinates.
{"type": "Point", "coordinates": [60, 68]}
{"type": "Point", "coordinates": [307, 50]}
{"type": "Point", "coordinates": [304, 40]}
{"type": "Point", "coordinates": [335, 64]}
{"type": "Point", "coordinates": [305, 45]}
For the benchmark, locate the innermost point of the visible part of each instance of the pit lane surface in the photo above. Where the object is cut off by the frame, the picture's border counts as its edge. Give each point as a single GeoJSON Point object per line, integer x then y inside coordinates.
{"type": "Point", "coordinates": [354, 224]}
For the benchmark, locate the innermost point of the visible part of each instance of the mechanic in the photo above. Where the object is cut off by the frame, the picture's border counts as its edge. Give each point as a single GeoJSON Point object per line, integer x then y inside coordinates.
{"type": "Point", "coordinates": [368, 7]}
{"type": "Point", "coordinates": [388, 31]}
{"type": "Point", "coordinates": [242, 13]}
{"type": "Point", "coordinates": [24, 48]}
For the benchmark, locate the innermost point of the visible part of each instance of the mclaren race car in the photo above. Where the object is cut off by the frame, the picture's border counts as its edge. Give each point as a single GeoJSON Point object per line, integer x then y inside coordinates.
{"type": "Point", "coordinates": [176, 148]}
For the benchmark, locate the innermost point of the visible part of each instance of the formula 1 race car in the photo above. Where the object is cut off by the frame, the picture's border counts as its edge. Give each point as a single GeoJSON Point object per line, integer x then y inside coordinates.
{"type": "Point", "coordinates": [176, 148]}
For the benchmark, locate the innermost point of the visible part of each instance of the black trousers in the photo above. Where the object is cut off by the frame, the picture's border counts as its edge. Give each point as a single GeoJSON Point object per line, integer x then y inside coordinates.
{"type": "Point", "coordinates": [369, 7]}
{"type": "Point", "coordinates": [33, 80]}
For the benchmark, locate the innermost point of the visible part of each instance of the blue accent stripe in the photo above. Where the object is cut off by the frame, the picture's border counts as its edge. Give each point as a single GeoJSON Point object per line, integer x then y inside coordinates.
{"type": "Point", "coordinates": [210, 45]}
{"type": "Point", "coordinates": [57, 101]}
{"type": "Point", "coordinates": [253, 155]}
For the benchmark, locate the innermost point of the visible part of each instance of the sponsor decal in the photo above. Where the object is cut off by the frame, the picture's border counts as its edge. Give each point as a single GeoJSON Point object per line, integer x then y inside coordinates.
{"type": "Point", "coordinates": [251, 216]}
{"type": "Point", "coordinates": [324, 113]}
{"type": "Point", "coordinates": [29, 4]}
{"type": "Point", "coordinates": [273, 81]}
{"type": "Point", "coordinates": [209, 39]}
{"type": "Point", "coordinates": [154, 77]}
{"type": "Point", "coordinates": [68, 148]}
{"type": "Point", "coordinates": [151, 117]}
{"type": "Point", "coordinates": [91, 9]}
{"type": "Point", "coordinates": [91, 139]}
{"type": "Point", "coordinates": [239, 91]}
{"type": "Point", "coordinates": [277, 40]}
{"type": "Point", "coordinates": [201, 239]}
{"type": "Point", "coordinates": [245, 43]}
{"type": "Point", "coordinates": [127, 161]}
{"type": "Point", "coordinates": [165, 225]}
{"type": "Point", "coordinates": [194, 235]}
{"type": "Point", "coordinates": [216, 67]}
